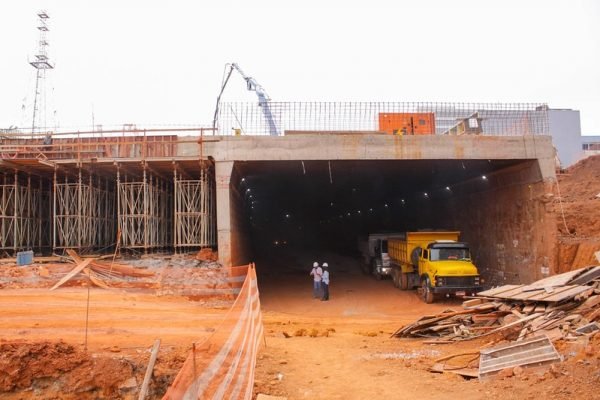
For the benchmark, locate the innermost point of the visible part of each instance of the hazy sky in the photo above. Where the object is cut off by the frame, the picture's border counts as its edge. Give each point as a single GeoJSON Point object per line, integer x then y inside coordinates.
{"type": "Point", "coordinates": [161, 62]}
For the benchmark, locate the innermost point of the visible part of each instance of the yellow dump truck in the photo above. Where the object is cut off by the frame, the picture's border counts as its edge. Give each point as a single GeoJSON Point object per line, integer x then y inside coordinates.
{"type": "Point", "coordinates": [435, 261]}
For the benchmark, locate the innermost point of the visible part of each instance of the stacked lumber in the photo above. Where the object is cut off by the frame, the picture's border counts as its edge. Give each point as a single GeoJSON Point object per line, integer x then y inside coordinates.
{"type": "Point", "coordinates": [562, 306]}
{"type": "Point", "coordinates": [100, 273]}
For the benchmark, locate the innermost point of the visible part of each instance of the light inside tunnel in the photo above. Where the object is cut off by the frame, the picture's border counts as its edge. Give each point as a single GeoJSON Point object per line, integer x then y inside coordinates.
{"type": "Point", "coordinates": [328, 205]}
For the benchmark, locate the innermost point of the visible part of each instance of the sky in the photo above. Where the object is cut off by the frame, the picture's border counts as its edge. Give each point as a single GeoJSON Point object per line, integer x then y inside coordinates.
{"type": "Point", "coordinates": [160, 63]}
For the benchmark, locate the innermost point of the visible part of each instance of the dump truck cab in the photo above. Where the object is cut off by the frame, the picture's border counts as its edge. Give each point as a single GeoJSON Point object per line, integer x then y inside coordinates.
{"type": "Point", "coordinates": [446, 267]}
{"type": "Point", "coordinates": [436, 262]}
{"type": "Point", "coordinates": [374, 251]}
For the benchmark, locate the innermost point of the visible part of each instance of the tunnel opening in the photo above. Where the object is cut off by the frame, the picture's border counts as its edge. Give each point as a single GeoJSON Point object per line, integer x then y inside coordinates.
{"type": "Point", "coordinates": [289, 213]}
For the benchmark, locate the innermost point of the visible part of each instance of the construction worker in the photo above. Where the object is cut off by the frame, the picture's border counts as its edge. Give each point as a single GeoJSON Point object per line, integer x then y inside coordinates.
{"type": "Point", "coordinates": [317, 274]}
{"type": "Point", "coordinates": [325, 282]}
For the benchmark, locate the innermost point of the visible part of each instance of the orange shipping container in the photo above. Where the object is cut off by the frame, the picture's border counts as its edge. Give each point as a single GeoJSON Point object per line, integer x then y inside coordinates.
{"type": "Point", "coordinates": [407, 123]}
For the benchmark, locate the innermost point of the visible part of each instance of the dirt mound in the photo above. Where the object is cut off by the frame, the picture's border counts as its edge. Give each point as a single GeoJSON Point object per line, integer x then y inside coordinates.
{"type": "Point", "coordinates": [580, 188]}
{"type": "Point", "coordinates": [580, 194]}
{"type": "Point", "coordinates": [59, 368]}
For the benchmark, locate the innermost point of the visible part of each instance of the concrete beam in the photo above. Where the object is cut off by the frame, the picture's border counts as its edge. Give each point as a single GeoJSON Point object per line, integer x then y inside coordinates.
{"type": "Point", "coordinates": [385, 147]}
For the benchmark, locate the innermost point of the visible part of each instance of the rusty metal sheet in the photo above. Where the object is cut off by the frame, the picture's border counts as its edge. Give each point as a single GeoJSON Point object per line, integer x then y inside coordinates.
{"type": "Point", "coordinates": [530, 352]}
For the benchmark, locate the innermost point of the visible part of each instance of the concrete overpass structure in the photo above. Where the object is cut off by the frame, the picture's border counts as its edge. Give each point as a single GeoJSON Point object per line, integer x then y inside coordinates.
{"type": "Point", "coordinates": [496, 190]}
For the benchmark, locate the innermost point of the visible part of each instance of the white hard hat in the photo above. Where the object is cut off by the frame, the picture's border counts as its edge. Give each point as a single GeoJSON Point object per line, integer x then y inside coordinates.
{"type": "Point", "coordinates": [325, 265]}
{"type": "Point", "coordinates": [315, 264]}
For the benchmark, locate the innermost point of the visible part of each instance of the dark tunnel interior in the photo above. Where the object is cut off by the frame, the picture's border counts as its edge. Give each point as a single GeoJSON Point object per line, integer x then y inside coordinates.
{"type": "Point", "coordinates": [316, 206]}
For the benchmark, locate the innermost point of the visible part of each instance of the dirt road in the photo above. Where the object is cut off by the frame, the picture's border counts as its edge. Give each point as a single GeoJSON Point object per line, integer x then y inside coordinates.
{"type": "Point", "coordinates": [342, 349]}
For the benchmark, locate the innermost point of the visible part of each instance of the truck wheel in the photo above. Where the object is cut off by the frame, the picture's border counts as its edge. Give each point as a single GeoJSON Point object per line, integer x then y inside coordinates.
{"type": "Point", "coordinates": [395, 279]}
{"type": "Point", "coordinates": [403, 281]}
{"type": "Point", "coordinates": [426, 292]}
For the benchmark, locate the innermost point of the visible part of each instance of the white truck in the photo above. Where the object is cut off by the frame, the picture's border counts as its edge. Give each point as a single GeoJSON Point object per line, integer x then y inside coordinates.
{"type": "Point", "coordinates": [374, 251]}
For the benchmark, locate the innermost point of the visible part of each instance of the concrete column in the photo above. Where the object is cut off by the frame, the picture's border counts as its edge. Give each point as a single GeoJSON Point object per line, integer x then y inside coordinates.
{"type": "Point", "coordinates": [223, 170]}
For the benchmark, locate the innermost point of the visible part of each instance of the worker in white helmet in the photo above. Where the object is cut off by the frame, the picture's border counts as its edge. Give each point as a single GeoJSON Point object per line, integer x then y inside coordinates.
{"type": "Point", "coordinates": [317, 274]}
{"type": "Point", "coordinates": [325, 282]}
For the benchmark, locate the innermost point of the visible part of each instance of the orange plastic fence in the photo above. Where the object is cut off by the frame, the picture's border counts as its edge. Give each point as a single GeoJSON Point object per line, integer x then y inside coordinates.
{"type": "Point", "coordinates": [222, 367]}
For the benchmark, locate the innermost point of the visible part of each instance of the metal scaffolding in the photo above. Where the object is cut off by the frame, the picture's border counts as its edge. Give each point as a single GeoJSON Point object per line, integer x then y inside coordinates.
{"type": "Point", "coordinates": [194, 222]}
{"type": "Point", "coordinates": [24, 213]}
{"type": "Point", "coordinates": [84, 213]}
{"type": "Point", "coordinates": [144, 213]}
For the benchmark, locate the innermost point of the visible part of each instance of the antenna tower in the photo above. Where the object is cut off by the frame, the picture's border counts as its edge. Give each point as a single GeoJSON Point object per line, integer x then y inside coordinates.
{"type": "Point", "coordinates": [41, 64]}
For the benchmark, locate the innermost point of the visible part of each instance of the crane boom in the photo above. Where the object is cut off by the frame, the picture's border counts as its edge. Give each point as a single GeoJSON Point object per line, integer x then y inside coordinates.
{"type": "Point", "coordinates": [253, 86]}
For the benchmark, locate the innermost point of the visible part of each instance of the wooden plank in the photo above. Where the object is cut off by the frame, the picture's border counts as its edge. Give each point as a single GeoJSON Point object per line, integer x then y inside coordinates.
{"type": "Point", "coordinates": [95, 279]}
{"type": "Point", "coordinates": [557, 280]}
{"type": "Point", "coordinates": [540, 308]}
{"type": "Point", "coordinates": [469, 304]}
{"type": "Point", "coordinates": [149, 370]}
{"type": "Point", "coordinates": [73, 272]}
{"type": "Point", "coordinates": [572, 292]}
{"type": "Point", "coordinates": [528, 309]}
{"type": "Point", "coordinates": [503, 327]}
{"type": "Point", "coordinates": [497, 292]}
{"type": "Point", "coordinates": [557, 295]}
{"type": "Point", "coordinates": [464, 372]}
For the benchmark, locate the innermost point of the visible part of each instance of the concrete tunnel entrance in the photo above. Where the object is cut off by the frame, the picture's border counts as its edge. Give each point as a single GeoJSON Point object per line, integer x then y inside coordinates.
{"type": "Point", "coordinates": [286, 212]}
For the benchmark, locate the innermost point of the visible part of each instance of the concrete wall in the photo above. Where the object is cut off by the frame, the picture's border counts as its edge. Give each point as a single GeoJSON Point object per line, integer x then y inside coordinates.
{"type": "Point", "coordinates": [232, 226]}
{"type": "Point", "coordinates": [509, 223]}
{"type": "Point", "coordinates": [240, 230]}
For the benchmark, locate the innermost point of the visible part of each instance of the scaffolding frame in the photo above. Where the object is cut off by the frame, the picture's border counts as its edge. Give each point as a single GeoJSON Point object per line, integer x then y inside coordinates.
{"type": "Point", "coordinates": [194, 211]}
{"type": "Point", "coordinates": [24, 221]}
{"type": "Point", "coordinates": [84, 213]}
{"type": "Point", "coordinates": [144, 212]}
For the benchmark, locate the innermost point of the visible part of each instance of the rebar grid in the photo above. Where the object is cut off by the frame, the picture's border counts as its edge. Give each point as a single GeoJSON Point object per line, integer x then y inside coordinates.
{"type": "Point", "coordinates": [24, 215]}
{"type": "Point", "coordinates": [195, 222]}
{"type": "Point", "coordinates": [509, 119]}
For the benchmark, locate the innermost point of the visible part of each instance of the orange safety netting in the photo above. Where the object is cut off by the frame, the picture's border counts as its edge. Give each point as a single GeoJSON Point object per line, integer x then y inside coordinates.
{"type": "Point", "coordinates": [222, 367]}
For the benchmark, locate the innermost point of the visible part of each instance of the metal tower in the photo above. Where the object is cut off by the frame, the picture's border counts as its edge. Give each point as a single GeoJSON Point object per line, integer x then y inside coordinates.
{"type": "Point", "coordinates": [41, 64]}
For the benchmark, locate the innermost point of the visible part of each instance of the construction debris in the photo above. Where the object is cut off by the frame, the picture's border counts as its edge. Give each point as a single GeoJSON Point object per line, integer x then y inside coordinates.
{"type": "Point", "coordinates": [100, 272]}
{"type": "Point", "coordinates": [536, 351]}
{"type": "Point", "coordinates": [560, 307]}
